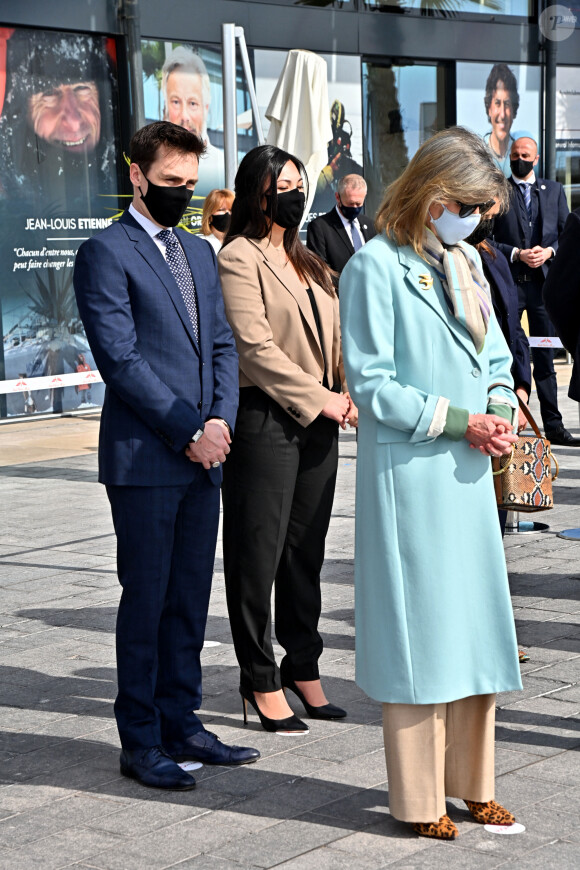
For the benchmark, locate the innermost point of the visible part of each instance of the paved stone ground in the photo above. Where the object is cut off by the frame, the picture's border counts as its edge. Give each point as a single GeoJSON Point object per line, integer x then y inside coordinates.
{"type": "Point", "coordinates": [312, 802]}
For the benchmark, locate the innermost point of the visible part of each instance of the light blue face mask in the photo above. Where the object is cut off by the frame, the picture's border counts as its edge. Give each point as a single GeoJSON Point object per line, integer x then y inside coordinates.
{"type": "Point", "coordinates": [451, 228]}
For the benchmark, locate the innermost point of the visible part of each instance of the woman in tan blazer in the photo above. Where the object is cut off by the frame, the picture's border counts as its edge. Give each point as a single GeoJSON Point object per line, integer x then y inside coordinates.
{"type": "Point", "coordinates": [280, 475]}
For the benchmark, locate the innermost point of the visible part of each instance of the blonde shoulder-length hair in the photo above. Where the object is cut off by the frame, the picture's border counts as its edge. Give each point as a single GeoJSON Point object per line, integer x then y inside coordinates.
{"type": "Point", "coordinates": [214, 201]}
{"type": "Point", "coordinates": [454, 164]}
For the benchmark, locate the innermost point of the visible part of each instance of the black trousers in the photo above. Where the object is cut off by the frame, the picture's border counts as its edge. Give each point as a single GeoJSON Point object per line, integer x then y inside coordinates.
{"type": "Point", "coordinates": [166, 538]}
{"type": "Point", "coordinates": [530, 300]}
{"type": "Point", "coordinates": [278, 491]}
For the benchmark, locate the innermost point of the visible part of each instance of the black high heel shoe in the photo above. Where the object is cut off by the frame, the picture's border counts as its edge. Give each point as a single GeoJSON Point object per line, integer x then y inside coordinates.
{"type": "Point", "coordinates": [326, 711]}
{"type": "Point", "coordinates": [290, 725]}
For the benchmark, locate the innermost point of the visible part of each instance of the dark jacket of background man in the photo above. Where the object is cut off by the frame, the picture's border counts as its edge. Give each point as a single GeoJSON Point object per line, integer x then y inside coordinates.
{"type": "Point", "coordinates": [505, 304]}
{"type": "Point", "coordinates": [327, 237]}
{"type": "Point", "coordinates": [562, 295]}
{"type": "Point", "coordinates": [514, 232]}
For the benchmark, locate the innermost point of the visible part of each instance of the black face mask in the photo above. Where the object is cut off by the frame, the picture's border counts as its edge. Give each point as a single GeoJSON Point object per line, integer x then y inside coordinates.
{"type": "Point", "coordinates": [289, 209]}
{"type": "Point", "coordinates": [166, 205]}
{"type": "Point", "coordinates": [520, 168]}
{"type": "Point", "coordinates": [350, 211]}
{"type": "Point", "coordinates": [483, 230]}
{"type": "Point", "coordinates": [220, 222]}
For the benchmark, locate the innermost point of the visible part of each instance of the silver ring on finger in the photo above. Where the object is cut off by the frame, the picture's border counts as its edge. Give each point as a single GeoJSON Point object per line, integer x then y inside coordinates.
{"type": "Point", "coordinates": [215, 464]}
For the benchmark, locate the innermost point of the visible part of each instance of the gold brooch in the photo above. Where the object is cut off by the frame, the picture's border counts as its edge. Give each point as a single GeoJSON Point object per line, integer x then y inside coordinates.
{"type": "Point", "coordinates": [426, 281]}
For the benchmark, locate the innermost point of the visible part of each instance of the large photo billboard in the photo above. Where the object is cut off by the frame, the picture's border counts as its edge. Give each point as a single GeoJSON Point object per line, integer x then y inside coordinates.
{"type": "Point", "coordinates": [182, 83]}
{"type": "Point", "coordinates": [500, 102]}
{"type": "Point", "coordinates": [58, 185]}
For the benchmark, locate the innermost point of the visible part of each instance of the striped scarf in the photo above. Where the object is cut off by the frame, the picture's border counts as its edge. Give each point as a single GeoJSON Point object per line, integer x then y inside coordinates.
{"type": "Point", "coordinates": [466, 289]}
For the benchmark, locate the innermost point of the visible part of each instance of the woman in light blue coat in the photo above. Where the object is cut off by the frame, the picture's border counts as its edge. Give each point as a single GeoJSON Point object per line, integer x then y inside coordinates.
{"type": "Point", "coordinates": [424, 357]}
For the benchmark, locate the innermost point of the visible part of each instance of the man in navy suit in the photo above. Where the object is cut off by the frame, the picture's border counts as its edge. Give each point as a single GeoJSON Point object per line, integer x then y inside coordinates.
{"type": "Point", "coordinates": [151, 303]}
{"type": "Point", "coordinates": [527, 234]}
{"type": "Point", "coordinates": [338, 234]}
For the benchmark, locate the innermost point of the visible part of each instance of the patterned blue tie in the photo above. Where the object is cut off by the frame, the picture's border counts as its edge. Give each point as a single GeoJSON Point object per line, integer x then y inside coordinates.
{"type": "Point", "coordinates": [356, 239]}
{"type": "Point", "coordinates": [527, 191]}
{"type": "Point", "coordinates": [177, 262]}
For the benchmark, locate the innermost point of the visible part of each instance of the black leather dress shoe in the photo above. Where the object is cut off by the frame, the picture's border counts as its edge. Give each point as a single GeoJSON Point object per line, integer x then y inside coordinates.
{"type": "Point", "coordinates": [562, 437]}
{"type": "Point", "coordinates": [155, 768]}
{"type": "Point", "coordinates": [208, 748]}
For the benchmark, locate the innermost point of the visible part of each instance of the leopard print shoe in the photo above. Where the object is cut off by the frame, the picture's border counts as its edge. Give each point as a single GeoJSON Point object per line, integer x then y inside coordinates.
{"type": "Point", "coordinates": [444, 829]}
{"type": "Point", "coordinates": [490, 813]}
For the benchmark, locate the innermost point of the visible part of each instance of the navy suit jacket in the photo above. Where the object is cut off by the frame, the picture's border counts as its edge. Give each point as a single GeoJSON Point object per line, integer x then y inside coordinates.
{"type": "Point", "coordinates": [504, 295]}
{"type": "Point", "coordinates": [510, 228]}
{"type": "Point", "coordinates": [328, 238]}
{"type": "Point", "coordinates": [161, 385]}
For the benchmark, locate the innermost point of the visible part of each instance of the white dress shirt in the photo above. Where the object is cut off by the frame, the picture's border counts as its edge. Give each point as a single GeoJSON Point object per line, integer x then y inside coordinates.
{"type": "Point", "coordinates": [150, 228]}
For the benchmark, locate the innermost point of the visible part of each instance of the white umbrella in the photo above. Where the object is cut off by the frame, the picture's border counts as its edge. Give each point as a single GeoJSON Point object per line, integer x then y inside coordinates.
{"type": "Point", "coordinates": [299, 114]}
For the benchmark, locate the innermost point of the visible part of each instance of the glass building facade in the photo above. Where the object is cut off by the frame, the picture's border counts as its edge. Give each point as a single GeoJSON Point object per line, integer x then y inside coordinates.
{"type": "Point", "coordinates": [398, 71]}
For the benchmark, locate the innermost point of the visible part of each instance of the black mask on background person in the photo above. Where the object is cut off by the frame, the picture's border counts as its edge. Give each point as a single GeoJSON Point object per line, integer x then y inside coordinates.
{"type": "Point", "coordinates": [166, 205]}
{"type": "Point", "coordinates": [221, 222]}
{"type": "Point", "coordinates": [520, 168]}
{"type": "Point", "coordinates": [484, 230]}
{"type": "Point", "coordinates": [290, 208]}
{"type": "Point", "coordinates": [350, 211]}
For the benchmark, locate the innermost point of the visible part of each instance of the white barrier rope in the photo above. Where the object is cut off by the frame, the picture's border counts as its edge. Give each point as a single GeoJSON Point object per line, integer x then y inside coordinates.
{"type": "Point", "coordinates": [50, 382]}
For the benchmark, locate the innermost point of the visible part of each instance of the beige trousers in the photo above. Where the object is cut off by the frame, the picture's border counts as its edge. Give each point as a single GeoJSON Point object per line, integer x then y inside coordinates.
{"type": "Point", "coordinates": [438, 750]}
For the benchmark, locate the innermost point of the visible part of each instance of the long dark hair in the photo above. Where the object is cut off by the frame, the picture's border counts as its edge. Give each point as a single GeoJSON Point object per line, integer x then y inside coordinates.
{"type": "Point", "coordinates": [257, 175]}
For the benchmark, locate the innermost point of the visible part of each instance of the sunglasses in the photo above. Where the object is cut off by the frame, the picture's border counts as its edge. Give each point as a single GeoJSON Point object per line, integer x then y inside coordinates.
{"type": "Point", "coordinates": [466, 210]}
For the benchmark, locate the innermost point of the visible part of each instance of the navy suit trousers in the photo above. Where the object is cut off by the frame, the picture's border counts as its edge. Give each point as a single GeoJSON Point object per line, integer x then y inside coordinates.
{"type": "Point", "coordinates": [166, 537]}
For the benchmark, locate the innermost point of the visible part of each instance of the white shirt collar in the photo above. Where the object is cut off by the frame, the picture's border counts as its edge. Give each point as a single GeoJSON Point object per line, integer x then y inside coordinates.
{"type": "Point", "coordinates": [529, 180]}
{"type": "Point", "coordinates": [148, 225]}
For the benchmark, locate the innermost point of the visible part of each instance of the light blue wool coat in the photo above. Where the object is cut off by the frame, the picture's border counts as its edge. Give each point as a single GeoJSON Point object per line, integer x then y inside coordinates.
{"type": "Point", "coordinates": [434, 620]}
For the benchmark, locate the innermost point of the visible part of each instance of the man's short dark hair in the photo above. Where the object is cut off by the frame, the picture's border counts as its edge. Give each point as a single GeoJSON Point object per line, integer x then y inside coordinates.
{"type": "Point", "coordinates": [500, 72]}
{"type": "Point", "coordinates": [146, 143]}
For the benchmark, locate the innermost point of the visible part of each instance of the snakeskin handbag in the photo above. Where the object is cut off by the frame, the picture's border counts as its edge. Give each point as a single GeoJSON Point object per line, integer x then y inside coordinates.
{"type": "Point", "coordinates": [523, 478]}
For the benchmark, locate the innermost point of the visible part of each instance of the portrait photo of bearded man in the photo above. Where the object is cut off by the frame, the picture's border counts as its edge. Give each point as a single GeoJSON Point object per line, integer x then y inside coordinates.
{"type": "Point", "coordinates": [57, 127]}
{"type": "Point", "coordinates": [67, 116]}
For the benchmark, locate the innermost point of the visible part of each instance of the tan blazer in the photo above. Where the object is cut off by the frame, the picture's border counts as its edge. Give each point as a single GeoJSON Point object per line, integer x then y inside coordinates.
{"type": "Point", "coordinates": [271, 317]}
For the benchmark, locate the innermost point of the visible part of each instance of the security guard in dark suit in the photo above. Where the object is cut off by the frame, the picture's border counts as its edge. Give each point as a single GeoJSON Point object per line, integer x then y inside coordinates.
{"type": "Point", "coordinates": [527, 234]}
